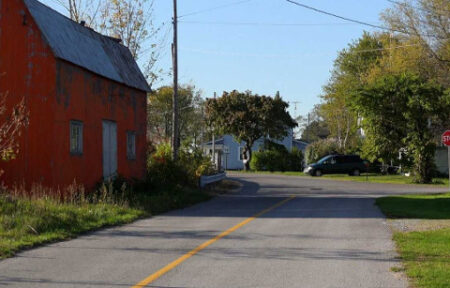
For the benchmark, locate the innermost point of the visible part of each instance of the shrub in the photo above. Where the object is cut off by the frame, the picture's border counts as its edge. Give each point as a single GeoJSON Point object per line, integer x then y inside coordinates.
{"type": "Point", "coordinates": [320, 149]}
{"type": "Point", "coordinates": [205, 169]}
{"type": "Point", "coordinates": [164, 172]}
{"type": "Point", "coordinates": [296, 159]}
{"type": "Point", "coordinates": [258, 162]}
{"type": "Point", "coordinates": [196, 164]}
{"type": "Point", "coordinates": [277, 159]}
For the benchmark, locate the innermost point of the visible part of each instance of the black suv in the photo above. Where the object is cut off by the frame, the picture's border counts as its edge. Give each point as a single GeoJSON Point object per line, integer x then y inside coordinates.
{"type": "Point", "coordinates": [338, 164]}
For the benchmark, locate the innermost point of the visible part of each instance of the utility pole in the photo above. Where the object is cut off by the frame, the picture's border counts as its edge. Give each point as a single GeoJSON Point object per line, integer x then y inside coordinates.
{"type": "Point", "coordinates": [295, 107]}
{"type": "Point", "coordinates": [175, 136]}
{"type": "Point", "coordinates": [214, 143]}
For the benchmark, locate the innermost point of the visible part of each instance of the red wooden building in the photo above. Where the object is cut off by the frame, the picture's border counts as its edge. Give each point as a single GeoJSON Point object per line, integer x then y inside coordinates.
{"type": "Point", "coordinates": [85, 94]}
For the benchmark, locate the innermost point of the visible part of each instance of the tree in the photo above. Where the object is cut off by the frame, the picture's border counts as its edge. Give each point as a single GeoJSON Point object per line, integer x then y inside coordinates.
{"type": "Point", "coordinates": [129, 20]}
{"type": "Point", "coordinates": [82, 10]}
{"type": "Point", "coordinates": [249, 117]}
{"type": "Point", "coordinates": [350, 72]}
{"type": "Point", "coordinates": [399, 111]}
{"type": "Point", "coordinates": [313, 127]}
{"type": "Point", "coordinates": [425, 23]}
{"type": "Point", "coordinates": [314, 131]}
{"type": "Point", "coordinates": [11, 125]}
{"type": "Point", "coordinates": [191, 123]}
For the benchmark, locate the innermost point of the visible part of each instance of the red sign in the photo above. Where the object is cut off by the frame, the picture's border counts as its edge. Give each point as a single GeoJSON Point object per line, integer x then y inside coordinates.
{"type": "Point", "coordinates": [446, 138]}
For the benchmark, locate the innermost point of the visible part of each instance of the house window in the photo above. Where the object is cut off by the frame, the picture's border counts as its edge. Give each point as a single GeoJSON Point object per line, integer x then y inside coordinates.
{"type": "Point", "coordinates": [76, 137]}
{"type": "Point", "coordinates": [131, 145]}
{"type": "Point", "coordinates": [241, 153]}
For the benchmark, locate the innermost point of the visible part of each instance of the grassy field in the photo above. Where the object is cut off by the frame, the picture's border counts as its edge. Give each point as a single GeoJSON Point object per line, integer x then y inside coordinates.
{"type": "Point", "coordinates": [25, 222]}
{"type": "Point", "coordinates": [425, 254]}
{"type": "Point", "coordinates": [370, 178]}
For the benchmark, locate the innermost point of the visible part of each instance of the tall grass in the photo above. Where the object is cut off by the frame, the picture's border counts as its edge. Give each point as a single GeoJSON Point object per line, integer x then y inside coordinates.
{"type": "Point", "coordinates": [41, 215]}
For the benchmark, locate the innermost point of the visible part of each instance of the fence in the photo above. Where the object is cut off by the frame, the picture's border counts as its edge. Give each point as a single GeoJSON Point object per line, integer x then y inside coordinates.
{"type": "Point", "coordinates": [205, 180]}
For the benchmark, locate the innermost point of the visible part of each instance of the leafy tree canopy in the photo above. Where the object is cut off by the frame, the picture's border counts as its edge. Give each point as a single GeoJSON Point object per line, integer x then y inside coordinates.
{"type": "Point", "coordinates": [248, 117]}
{"type": "Point", "coordinates": [399, 111]}
{"type": "Point", "coordinates": [350, 71]}
{"type": "Point", "coordinates": [191, 122]}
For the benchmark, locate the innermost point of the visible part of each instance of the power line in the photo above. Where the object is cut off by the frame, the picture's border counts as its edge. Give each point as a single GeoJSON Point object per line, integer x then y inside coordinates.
{"type": "Point", "coordinates": [357, 21]}
{"type": "Point", "coordinates": [220, 53]}
{"type": "Point", "coordinates": [215, 8]}
{"type": "Point", "coordinates": [343, 18]}
{"type": "Point", "coordinates": [266, 23]}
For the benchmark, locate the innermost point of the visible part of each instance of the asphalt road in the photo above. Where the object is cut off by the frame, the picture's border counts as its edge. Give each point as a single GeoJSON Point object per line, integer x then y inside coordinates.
{"type": "Point", "coordinates": [316, 233]}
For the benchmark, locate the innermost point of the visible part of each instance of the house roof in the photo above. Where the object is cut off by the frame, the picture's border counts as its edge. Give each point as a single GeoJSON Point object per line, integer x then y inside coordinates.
{"type": "Point", "coordinates": [218, 142]}
{"type": "Point", "coordinates": [300, 141]}
{"type": "Point", "coordinates": [86, 48]}
{"type": "Point", "coordinates": [300, 144]}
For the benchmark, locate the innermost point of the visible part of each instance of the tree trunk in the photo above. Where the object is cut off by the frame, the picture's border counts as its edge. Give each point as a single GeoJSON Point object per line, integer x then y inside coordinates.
{"type": "Point", "coordinates": [424, 164]}
{"type": "Point", "coordinates": [247, 157]}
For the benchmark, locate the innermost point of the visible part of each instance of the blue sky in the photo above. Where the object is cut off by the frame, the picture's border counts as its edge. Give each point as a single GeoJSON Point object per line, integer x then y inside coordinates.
{"type": "Point", "coordinates": [230, 48]}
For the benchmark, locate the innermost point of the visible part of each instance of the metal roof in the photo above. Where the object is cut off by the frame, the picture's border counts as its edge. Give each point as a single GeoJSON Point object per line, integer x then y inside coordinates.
{"type": "Point", "coordinates": [84, 47]}
{"type": "Point", "coordinates": [218, 142]}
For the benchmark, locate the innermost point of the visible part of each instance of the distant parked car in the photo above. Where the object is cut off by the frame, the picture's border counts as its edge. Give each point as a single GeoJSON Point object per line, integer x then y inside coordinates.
{"type": "Point", "coordinates": [338, 164]}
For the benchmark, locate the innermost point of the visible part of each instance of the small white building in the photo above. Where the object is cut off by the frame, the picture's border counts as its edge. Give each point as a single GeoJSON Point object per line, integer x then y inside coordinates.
{"type": "Point", "coordinates": [229, 153]}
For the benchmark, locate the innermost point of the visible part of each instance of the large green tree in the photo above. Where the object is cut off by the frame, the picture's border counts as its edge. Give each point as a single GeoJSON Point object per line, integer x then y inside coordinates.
{"type": "Point", "coordinates": [191, 121]}
{"type": "Point", "coordinates": [350, 72]}
{"type": "Point", "coordinates": [249, 117]}
{"type": "Point", "coordinates": [399, 111]}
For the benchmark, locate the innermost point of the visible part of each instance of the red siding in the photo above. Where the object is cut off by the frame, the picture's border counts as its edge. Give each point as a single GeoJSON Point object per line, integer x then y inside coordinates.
{"type": "Point", "coordinates": [57, 92]}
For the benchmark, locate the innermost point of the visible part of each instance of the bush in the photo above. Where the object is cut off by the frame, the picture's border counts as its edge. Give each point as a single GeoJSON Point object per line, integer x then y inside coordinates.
{"type": "Point", "coordinates": [259, 161]}
{"type": "Point", "coordinates": [320, 149]}
{"type": "Point", "coordinates": [196, 164]}
{"type": "Point", "coordinates": [296, 158]}
{"type": "Point", "coordinates": [164, 172]}
{"type": "Point", "coordinates": [277, 159]}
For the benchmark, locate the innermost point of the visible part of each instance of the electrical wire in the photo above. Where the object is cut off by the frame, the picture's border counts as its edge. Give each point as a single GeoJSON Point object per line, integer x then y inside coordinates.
{"type": "Point", "coordinates": [220, 53]}
{"type": "Point", "coordinates": [215, 8]}
{"type": "Point", "coordinates": [265, 23]}
{"type": "Point", "coordinates": [357, 21]}
{"type": "Point", "coordinates": [344, 18]}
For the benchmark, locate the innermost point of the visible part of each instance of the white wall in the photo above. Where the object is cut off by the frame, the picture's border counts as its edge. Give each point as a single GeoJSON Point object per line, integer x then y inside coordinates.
{"type": "Point", "coordinates": [441, 160]}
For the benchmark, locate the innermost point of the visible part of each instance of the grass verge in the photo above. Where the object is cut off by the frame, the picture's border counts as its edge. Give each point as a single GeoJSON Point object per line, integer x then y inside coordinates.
{"type": "Point", "coordinates": [27, 222]}
{"type": "Point", "coordinates": [416, 206]}
{"type": "Point", "coordinates": [370, 178]}
{"type": "Point", "coordinates": [425, 254]}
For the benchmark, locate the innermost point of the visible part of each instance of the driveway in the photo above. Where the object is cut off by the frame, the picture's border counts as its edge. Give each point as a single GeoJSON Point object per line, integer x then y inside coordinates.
{"type": "Point", "coordinates": [276, 231]}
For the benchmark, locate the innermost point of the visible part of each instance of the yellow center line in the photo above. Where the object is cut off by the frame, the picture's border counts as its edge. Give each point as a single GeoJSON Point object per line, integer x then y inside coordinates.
{"type": "Point", "coordinates": [150, 279]}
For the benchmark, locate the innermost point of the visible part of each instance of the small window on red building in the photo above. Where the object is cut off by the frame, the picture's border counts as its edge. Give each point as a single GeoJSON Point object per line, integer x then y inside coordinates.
{"type": "Point", "coordinates": [131, 145]}
{"type": "Point", "coordinates": [76, 137]}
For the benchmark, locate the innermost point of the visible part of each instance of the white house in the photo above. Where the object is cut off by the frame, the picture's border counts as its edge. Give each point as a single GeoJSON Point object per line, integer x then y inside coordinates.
{"type": "Point", "coordinates": [229, 153]}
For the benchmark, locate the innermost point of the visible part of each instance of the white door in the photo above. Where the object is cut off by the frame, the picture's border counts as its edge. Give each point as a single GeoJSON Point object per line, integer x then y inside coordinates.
{"type": "Point", "coordinates": [109, 149]}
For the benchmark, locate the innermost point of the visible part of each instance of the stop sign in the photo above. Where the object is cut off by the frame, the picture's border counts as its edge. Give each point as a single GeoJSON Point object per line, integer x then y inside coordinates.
{"type": "Point", "coordinates": [446, 138]}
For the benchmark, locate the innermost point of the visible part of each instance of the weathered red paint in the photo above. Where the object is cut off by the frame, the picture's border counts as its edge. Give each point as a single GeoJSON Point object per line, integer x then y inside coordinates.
{"type": "Point", "coordinates": [57, 92]}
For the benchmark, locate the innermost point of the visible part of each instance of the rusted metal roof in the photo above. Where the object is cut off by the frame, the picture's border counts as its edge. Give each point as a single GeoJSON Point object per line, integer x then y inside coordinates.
{"type": "Point", "coordinates": [84, 47]}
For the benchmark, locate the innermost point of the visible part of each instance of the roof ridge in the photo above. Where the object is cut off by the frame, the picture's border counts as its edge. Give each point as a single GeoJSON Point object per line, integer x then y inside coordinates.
{"type": "Point", "coordinates": [87, 48]}
{"type": "Point", "coordinates": [90, 29]}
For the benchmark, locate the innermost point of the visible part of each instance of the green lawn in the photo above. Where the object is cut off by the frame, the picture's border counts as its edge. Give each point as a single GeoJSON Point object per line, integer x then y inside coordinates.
{"type": "Point", "coordinates": [416, 206]}
{"type": "Point", "coordinates": [425, 254]}
{"type": "Point", "coordinates": [370, 178]}
{"type": "Point", "coordinates": [26, 223]}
